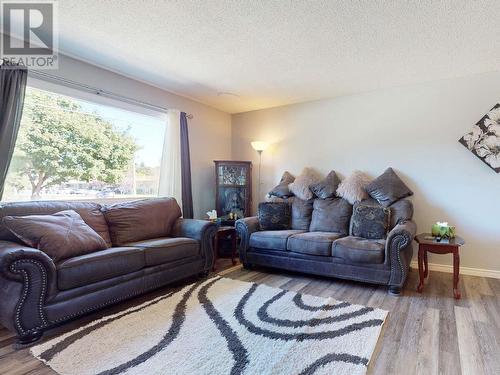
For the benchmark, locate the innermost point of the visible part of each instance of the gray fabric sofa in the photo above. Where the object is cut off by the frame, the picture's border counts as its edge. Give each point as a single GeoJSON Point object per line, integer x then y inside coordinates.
{"type": "Point", "coordinates": [37, 293]}
{"type": "Point", "coordinates": [310, 248]}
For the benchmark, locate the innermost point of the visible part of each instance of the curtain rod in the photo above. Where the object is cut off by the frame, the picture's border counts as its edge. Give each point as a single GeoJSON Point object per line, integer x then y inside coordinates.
{"type": "Point", "coordinates": [69, 83]}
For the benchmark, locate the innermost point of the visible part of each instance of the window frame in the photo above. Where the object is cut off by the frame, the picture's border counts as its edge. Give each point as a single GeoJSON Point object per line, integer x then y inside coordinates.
{"type": "Point", "coordinates": [97, 99]}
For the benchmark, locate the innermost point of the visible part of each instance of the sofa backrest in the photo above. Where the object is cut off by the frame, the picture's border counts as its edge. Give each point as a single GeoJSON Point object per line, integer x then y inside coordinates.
{"type": "Point", "coordinates": [331, 215]}
{"type": "Point", "coordinates": [141, 220]}
{"type": "Point", "coordinates": [89, 211]}
{"type": "Point", "coordinates": [301, 213]}
{"type": "Point", "coordinates": [401, 211]}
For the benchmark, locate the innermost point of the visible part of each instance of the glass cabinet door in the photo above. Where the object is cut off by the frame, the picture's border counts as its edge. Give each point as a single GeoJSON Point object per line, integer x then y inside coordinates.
{"type": "Point", "coordinates": [232, 175]}
{"type": "Point", "coordinates": [233, 188]}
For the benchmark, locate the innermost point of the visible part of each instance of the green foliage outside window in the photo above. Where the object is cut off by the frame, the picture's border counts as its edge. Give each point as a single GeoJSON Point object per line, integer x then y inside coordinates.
{"type": "Point", "coordinates": [58, 142]}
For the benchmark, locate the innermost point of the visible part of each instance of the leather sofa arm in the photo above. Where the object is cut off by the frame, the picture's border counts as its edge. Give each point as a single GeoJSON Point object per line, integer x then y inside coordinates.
{"type": "Point", "coordinates": [245, 227]}
{"type": "Point", "coordinates": [399, 238]}
{"type": "Point", "coordinates": [29, 279]}
{"type": "Point", "coordinates": [200, 230]}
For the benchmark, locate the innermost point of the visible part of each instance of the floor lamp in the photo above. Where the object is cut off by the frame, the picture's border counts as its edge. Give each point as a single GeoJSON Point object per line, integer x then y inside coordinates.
{"type": "Point", "coordinates": [259, 147]}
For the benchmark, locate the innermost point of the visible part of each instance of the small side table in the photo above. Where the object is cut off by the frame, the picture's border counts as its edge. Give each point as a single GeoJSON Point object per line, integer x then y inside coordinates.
{"type": "Point", "coordinates": [225, 231]}
{"type": "Point", "coordinates": [445, 246]}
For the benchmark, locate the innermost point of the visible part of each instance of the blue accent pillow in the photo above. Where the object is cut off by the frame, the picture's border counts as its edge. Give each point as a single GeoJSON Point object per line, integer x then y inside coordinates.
{"type": "Point", "coordinates": [370, 221]}
{"type": "Point", "coordinates": [274, 216]}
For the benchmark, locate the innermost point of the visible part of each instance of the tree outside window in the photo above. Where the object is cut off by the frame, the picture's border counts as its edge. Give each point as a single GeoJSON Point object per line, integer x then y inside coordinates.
{"type": "Point", "coordinates": [65, 152]}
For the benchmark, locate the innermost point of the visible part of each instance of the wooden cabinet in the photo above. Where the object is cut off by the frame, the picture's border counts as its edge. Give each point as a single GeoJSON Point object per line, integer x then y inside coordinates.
{"type": "Point", "coordinates": [233, 192]}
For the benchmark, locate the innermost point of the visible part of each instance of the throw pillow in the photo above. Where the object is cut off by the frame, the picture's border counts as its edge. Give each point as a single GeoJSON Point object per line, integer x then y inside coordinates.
{"type": "Point", "coordinates": [331, 215]}
{"type": "Point", "coordinates": [281, 190]}
{"type": "Point", "coordinates": [141, 220]}
{"type": "Point", "coordinates": [352, 188]}
{"type": "Point", "coordinates": [300, 187]}
{"type": "Point", "coordinates": [388, 188]}
{"type": "Point", "coordinates": [274, 216]}
{"type": "Point", "coordinates": [326, 188]}
{"type": "Point", "coordinates": [369, 221]}
{"type": "Point", "coordinates": [89, 211]}
{"type": "Point", "coordinates": [61, 235]}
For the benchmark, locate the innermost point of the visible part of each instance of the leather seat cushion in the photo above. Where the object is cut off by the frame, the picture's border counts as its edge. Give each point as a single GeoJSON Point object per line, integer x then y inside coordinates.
{"type": "Point", "coordinates": [98, 266]}
{"type": "Point", "coordinates": [359, 250]}
{"type": "Point", "coordinates": [272, 239]}
{"type": "Point", "coordinates": [313, 243]}
{"type": "Point", "coordinates": [165, 250]}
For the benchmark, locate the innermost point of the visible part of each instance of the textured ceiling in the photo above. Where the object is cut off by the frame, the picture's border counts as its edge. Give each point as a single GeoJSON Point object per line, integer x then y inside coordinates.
{"type": "Point", "coordinates": [273, 53]}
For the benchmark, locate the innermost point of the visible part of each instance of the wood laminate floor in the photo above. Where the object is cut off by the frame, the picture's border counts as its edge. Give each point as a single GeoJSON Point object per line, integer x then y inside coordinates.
{"type": "Point", "coordinates": [429, 333]}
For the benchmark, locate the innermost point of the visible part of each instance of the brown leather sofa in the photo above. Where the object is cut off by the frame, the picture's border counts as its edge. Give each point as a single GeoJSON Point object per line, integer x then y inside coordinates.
{"type": "Point", "coordinates": [37, 293]}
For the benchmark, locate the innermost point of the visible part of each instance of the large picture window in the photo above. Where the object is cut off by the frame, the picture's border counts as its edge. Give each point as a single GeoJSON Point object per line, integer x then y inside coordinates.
{"type": "Point", "coordinates": [69, 148]}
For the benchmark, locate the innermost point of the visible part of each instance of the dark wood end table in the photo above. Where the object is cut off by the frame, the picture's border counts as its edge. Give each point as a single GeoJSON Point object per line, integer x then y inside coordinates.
{"type": "Point", "coordinates": [445, 246]}
{"type": "Point", "coordinates": [225, 231]}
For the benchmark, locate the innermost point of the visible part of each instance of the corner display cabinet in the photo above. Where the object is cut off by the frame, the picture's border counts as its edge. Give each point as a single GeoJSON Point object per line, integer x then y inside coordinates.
{"type": "Point", "coordinates": [233, 192]}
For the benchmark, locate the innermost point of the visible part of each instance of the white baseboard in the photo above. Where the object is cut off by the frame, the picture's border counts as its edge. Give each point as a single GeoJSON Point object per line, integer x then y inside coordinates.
{"type": "Point", "coordinates": [463, 270]}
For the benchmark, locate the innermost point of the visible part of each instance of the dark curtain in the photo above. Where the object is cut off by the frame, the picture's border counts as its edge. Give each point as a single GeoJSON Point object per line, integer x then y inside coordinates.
{"type": "Point", "coordinates": [187, 194]}
{"type": "Point", "coordinates": [12, 90]}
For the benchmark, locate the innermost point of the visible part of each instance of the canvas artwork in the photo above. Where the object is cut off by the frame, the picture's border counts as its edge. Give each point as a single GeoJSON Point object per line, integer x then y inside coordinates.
{"type": "Point", "coordinates": [484, 139]}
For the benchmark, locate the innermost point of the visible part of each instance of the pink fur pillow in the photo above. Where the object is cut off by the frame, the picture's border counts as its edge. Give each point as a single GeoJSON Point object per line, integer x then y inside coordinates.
{"type": "Point", "coordinates": [352, 189]}
{"type": "Point", "coordinates": [300, 187]}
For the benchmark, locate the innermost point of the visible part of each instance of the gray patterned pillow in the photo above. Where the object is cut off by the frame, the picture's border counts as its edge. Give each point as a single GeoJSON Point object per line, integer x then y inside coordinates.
{"type": "Point", "coordinates": [274, 216]}
{"type": "Point", "coordinates": [369, 221]}
{"type": "Point", "coordinates": [326, 188]}
{"type": "Point", "coordinates": [388, 188]}
{"type": "Point", "coordinates": [281, 190]}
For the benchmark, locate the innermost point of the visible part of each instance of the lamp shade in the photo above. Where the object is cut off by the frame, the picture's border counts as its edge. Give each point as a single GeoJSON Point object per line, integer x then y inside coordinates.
{"type": "Point", "coordinates": [258, 145]}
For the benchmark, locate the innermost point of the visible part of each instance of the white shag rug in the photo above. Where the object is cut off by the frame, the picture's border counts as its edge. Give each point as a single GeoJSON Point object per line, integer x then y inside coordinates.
{"type": "Point", "coordinates": [222, 326]}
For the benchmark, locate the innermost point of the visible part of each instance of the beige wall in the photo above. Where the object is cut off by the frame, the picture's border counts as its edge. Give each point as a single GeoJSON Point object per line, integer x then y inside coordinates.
{"type": "Point", "coordinates": [209, 130]}
{"type": "Point", "coordinates": [413, 129]}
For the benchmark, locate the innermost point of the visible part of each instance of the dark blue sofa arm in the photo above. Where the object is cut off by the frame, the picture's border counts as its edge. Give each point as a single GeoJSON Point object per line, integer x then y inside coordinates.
{"type": "Point", "coordinates": [399, 250]}
{"type": "Point", "coordinates": [27, 281]}
{"type": "Point", "coordinates": [245, 227]}
{"type": "Point", "coordinates": [200, 230]}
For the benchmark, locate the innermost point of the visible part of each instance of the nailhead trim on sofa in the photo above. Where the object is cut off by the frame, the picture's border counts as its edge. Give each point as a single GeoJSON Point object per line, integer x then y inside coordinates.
{"type": "Point", "coordinates": [26, 287]}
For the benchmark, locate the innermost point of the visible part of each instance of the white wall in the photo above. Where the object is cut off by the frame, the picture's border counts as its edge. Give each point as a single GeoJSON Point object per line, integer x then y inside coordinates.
{"type": "Point", "coordinates": [209, 129]}
{"type": "Point", "coordinates": [413, 129]}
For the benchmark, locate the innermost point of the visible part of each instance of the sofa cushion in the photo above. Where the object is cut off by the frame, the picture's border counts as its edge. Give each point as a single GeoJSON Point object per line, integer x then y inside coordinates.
{"type": "Point", "coordinates": [61, 235]}
{"type": "Point", "coordinates": [388, 188]}
{"type": "Point", "coordinates": [326, 188]}
{"type": "Point", "coordinates": [98, 266]}
{"type": "Point", "coordinates": [369, 221]}
{"type": "Point", "coordinates": [301, 213]}
{"type": "Point", "coordinates": [359, 250]}
{"type": "Point", "coordinates": [313, 243]}
{"type": "Point", "coordinates": [90, 213]}
{"type": "Point", "coordinates": [141, 220]}
{"type": "Point", "coordinates": [272, 239]}
{"type": "Point", "coordinates": [165, 250]}
{"type": "Point", "coordinates": [281, 190]}
{"type": "Point", "coordinates": [401, 211]}
{"type": "Point", "coordinates": [274, 216]}
{"type": "Point", "coordinates": [331, 215]}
